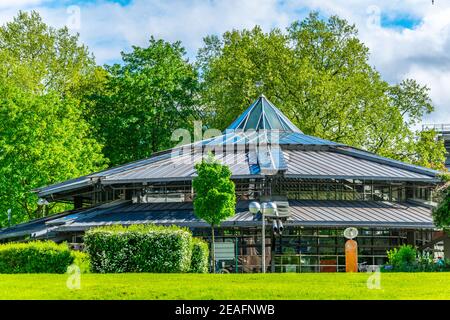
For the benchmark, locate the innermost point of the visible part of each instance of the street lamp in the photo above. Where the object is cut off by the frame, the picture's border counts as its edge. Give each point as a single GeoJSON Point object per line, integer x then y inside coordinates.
{"type": "Point", "coordinates": [266, 208]}
{"type": "Point", "coordinates": [42, 202]}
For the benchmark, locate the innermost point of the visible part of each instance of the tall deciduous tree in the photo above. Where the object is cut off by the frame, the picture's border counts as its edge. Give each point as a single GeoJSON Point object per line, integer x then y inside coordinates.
{"type": "Point", "coordinates": [215, 198]}
{"type": "Point", "coordinates": [318, 73]}
{"type": "Point", "coordinates": [43, 135]}
{"type": "Point", "coordinates": [147, 97]}
{"type": "Point", "coordinates": [43, 140]}
{"type": "Point", "coordinates": [40, 58]}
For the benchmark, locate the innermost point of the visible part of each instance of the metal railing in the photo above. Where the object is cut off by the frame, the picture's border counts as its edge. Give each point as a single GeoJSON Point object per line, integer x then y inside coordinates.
{"type": "Point", "coordinates": [440, 127]}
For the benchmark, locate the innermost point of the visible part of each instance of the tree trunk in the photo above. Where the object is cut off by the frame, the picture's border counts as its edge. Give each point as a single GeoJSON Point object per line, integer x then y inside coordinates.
{"type": "Point", "coordinates": [213, 250]}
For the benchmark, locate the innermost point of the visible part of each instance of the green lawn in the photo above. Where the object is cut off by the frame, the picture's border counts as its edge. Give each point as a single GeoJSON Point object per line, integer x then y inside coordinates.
{"type": "Point", "coordinates": [227, 286]}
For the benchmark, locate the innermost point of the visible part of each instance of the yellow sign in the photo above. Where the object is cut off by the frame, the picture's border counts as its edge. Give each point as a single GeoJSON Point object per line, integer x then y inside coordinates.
{"type": "Point", "coordinates": [351, 256]}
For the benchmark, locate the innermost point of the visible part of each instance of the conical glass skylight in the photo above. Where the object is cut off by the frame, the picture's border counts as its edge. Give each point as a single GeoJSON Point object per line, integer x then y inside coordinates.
{"type": "Point", "coordinates": [263, 115]}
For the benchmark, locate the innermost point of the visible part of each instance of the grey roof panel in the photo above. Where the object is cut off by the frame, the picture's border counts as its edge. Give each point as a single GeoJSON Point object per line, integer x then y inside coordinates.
{"type": "Point", "coordinates": [374, 157]}
{"type": "Point", "coordinates": [325, 213]}
{"type": "Point", "coordinates": [180, 167]}
{"type": "Point", "coordinates": [309, 164]}
{"type": "Point", "coordinates": [303, 213]}
{"type": "Point", "coordinates": [361, 213]}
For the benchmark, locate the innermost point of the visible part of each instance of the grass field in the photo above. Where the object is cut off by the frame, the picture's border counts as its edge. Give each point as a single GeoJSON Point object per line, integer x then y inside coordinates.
{"type": "Point", "coordinates": [227, 286]}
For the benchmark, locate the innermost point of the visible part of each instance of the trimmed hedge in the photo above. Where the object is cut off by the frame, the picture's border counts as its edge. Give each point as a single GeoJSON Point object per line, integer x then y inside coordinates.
{"type": "Point", "coordinates": [82, 260]}
{"type": "Point", "coordinates": [200, 256]}
{"type": "Point", "coordinates": [139, 248]}
{"type": "Point", "coordinates": [35, 257]}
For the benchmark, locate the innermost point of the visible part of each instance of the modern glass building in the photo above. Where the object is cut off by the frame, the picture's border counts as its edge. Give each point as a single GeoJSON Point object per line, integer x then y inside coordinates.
{"type": "Point", "coordinates": [320, 188]}
{"type": "Point", "coordinates": [443, 132]}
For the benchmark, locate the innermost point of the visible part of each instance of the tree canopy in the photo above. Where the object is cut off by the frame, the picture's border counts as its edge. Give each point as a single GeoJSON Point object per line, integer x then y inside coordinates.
{"type": "Point", "coordinates": [318, 73]}
{"type": "Point", "coordinates": [63, 116]}
{"type": "Point", "coordinates": [150, 94]}
{"type": "Point", "coordinates": [43, 135]}
{"type": "Point", "coordinates": [39, 58]}
{"type": "Point", "coordinates": [441, 214]}
{"type": "Point", "coordinates": [215, 198]}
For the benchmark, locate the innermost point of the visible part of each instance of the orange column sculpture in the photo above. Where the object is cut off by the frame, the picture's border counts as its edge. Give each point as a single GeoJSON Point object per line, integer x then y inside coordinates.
{"type": "Point", "coordinates": [351, 256]}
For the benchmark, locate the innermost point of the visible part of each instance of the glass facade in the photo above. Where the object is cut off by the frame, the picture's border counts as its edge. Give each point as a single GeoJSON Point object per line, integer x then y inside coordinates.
{"type": "Point", "coordinates": [307, 249]}
{"type": "Point", "coordinates": [347, 189]}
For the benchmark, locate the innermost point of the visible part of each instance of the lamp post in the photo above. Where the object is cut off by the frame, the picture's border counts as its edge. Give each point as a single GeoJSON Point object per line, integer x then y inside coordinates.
{"type": "Point", "coordinates": [43, 202]}
{"type": "Point", "coordinates": [9, 218]}
{"type": "Point", "coordinates": [268, 208]}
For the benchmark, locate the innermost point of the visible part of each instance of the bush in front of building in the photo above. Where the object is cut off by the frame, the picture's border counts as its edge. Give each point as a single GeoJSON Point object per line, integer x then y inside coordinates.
{"type": "Point", "coordinates": [82, 261]}
{"type": "Point", "coordinates": [35, 257]}
{"type": "Point", "coordinates": [200, 256]}
{"type": "Point", "coordinates": [408, 259]}
{"type": "Point", "coordinates": [139, 248]}
{"type": "Point", "coordinates": [403, 258]}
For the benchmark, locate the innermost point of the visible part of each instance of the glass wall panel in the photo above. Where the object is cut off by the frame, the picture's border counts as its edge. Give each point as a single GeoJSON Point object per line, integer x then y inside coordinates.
{"type": "Point", "coordinates": [306, 249]}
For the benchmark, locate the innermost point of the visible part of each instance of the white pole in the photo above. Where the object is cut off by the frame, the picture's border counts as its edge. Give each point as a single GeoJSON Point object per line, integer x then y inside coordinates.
{"type": "Point", "coordinates": [263, 243]}
{"type": "Point", "coordinates": [9, 217]}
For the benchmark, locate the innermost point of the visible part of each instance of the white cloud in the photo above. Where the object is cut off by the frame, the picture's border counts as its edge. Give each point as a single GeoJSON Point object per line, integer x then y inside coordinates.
{"type": "Point", "coordinates": [420, 53]}
{"type": "Point", "coordinates": [18, 3]}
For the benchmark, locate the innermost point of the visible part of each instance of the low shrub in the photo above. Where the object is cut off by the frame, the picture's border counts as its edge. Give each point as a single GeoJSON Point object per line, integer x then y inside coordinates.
{"type": "Point", "coordinates": [446, 264]}
{"type": "Point", "coordinates": [139, 248]}
{"type": "Point", "coordinates": [403, 258]}
{"type": "Point", "coordinates": [35, 257]}
{"type": "Point", "coordinates": [200, 256]}
{"type": "Point", "coordinates": [82, 260]}
{"type": "Point", "coordinates": [407, 259]}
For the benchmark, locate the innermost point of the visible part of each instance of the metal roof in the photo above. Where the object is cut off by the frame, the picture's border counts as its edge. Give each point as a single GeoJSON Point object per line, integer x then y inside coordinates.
{"type": "Point", "coordinates": [376, 158]}
{"type": "Point", "coordinates": [308, 213]}
{"type": "Point", "coordinates": [33, 226]}
{"type": "Point", "coordinates": [360, 213]}
{"type": "Point", "coordinates": [263, 115]}
{"type": "Point", "coordinates": [42, 226]}
{"type": "Point", "coordinates": [312, 157]}
{"type": "Point", "coordinates": [330, 164]}
{"type": "Point", "coordinates": [303, 213]}
{"type": "Point", "coordinates": [179, 167]}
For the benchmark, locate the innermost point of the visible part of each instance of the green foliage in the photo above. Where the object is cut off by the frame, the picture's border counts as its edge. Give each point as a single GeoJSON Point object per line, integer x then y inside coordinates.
{"type": "Point", "coordinates": [44, 140]}
{"type": "Point", "coordinates": [200, 256]}
{"type": "Point", "coordinates": [318, 73]}
{"type": "Point", "coordinates": [139, 248]}
{"type": "Point", "coordinates": [82, 260]}
{"type": "Point", "coordinates": [215, 198]}
{"type": "Point", "coordinates": [35, 257]}
{"type": "Point", "coordinates": [425, 262]}
{"type": "Point", "coordinates": [43, 135]}
{"type": "Point", "coordinates": [403, 258]}
{"type": "Point", "coordinates": [150, 94]}
{"type": "Point", "coordinates": [441, 214]}
{"type": "Point", "coordinates": [38, 58]}
{"type": "Point", "coordinates": [407, 259]}
{"type": "Point", "coordinates": [445, 177]}
{"type": "Point", "coordinates": [429, 151]}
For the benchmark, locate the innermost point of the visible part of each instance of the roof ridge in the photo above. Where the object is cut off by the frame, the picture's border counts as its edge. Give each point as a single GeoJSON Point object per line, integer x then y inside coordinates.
{"type": "Point", "coordinates": [262, 114]}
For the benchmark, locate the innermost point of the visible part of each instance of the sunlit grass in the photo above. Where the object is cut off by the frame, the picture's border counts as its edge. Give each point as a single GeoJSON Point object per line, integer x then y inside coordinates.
{"type": "Point", "coordinates": [227, 286]}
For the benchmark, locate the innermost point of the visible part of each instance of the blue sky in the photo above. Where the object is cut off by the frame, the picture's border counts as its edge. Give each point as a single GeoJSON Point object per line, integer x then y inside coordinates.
{"type": "Point", "coordinates": [407, 39]}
